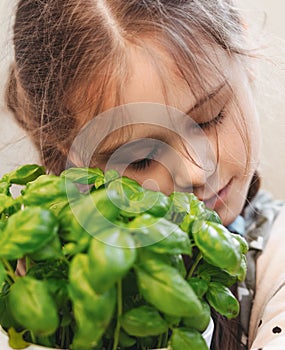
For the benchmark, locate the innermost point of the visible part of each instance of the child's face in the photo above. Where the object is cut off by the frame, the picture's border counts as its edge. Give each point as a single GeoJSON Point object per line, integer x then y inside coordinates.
{"type": "Point", "coordinates": [159, 161]}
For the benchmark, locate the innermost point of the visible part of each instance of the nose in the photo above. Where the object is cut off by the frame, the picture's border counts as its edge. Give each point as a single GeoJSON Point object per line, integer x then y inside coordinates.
{"type": "Point", "coordinates": [190, 174]}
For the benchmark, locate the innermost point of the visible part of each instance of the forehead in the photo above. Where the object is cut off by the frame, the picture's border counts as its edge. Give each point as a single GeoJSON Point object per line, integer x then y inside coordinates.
{"type": "Point", "coordinates": [155, 77]}
{"type": "Point", "coordinates": [155, 82]}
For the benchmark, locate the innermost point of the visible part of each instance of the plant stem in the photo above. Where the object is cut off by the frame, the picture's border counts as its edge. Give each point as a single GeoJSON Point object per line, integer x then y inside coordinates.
{"type": "Point", "coordinates": [165, 340]}
{"type": "Point", "coordinates": [119, 313]}
{"type": "Point", "coordinates": [159, 344]}
{"type": "Point", "coordinates": [28, 263]}
{"type": "Point", "coordinates": [33, 338]}
{"type": "Point", "coordinates": [195, 264]}
{"type": "Point", "coordinates": [62, 336]}
{"type": "Point", "coordinates": [9, 270]}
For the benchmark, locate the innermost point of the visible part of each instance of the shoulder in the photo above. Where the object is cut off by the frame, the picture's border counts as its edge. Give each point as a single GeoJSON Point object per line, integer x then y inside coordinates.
{"type": "Point", "coordinates": [271, 328]}
{"type": "Point", "coordinates": [267, 325]}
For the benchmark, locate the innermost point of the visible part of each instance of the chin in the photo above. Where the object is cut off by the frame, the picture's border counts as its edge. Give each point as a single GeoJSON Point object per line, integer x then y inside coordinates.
{"type": "Point", "coordinates": [234, 203]}
{"type": "Point", "coordinates": [229, 211]}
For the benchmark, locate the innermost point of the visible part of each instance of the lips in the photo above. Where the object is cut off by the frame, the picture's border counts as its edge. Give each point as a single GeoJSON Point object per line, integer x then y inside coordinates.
{"type": "Point", "coordinates": [219, 198]}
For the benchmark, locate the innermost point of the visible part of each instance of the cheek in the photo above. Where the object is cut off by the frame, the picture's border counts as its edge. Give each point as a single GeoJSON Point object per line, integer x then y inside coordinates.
{"type": "Point", "coordinates": [239, 139]}
{"type": "Point", "coordinates": [158, 178]}
{"type": "Point", "coordinates": [233, 149]}
{"type": "Point", "coordinates": [251, 123]}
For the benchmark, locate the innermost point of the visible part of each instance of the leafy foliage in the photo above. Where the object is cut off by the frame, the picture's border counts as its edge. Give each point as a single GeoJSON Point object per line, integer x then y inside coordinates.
{"type": "Point", "coordinates": [104, 267]}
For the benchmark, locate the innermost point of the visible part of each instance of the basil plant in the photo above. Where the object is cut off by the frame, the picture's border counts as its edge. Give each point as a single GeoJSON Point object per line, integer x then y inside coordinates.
{"type": "Point", "coordinates": [110, 265]}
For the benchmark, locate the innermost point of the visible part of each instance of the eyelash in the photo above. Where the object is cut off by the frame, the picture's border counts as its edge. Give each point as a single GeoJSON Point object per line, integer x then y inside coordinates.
{"type": "Point", "coordinates": [215, 121]}
{"type": "Point", "coordinates": [144, 163]}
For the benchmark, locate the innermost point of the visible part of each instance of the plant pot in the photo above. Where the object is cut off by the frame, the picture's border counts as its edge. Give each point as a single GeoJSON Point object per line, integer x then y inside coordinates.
{"type": "Point", "coordinates": [4, 344]}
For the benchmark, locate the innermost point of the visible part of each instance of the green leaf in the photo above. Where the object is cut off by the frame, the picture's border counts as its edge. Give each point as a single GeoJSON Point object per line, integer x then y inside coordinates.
{"type": "Point", "coordinates": [24, 174]}
{"type": "Point", "coordinates": [199, 321]}
{"type": "Point", "coordinates": [214, 274]}
{"type": "Point", "coordinates": [52, 269]}
{"type": "Point", "coordinates": [147, 201]}
{"type": "Point", "coordinates": [58, 289]}
{"type": "Point", "coordinates": [96, 210]}
{"type": "Point", "coordinates": [58, 206]}
{"type": "Point", "coordinates": [92, 312]}
{"type": "Point", "coordinates": [111, 175]}
{"type": "Point", "coordinates": [185, 205]}
{"type": "Point", "coordinates": [5, 188]}
{"type": "Point", "coordinates": [243, 269]}
{"type": "Point", "coordinates": [218, 246]}
{"type": "Point", "coordinates": [3, 221]}
{"type": "Point", "coordinates": [197, 207]}
{"type": "Point", "coordinates": [177, 262]}
{"type": "Point", "coordinates": [125, 188]}
{"type": "Point", "coordinates": [3, 274]}
{"type": "Point", "coordinates": [55, 273]}
{"type": "Point", "coordinates": [160, 235]}
{"type": "Point", "coordinates": [242, 242]}
{"type": "Point", "coordinates": [164, 287]}
{"type": "Point", "coordinates": [200, 286]}
{"type": "Point", "coordinates": [85, 176]}
{"type": "Point", "coordinates": [160, 203]}
{"type": "Point", "coordinates": [180, 202]}
{"type": "Point", "coordinates": [27, 231]}
{"type": "Point", "coordinates": [172, 320]}
{"type": "Point", "coordinates": [143, 321]}
{"type": "Point", "coordinates": [187, 222]}
{"type": "Point", "coordinates": [48, 190]}
{"type": "Point", "coordinates": [147, 342]}
{"type": "Point", "coordinates": [183, 338]}
{"type": "Point", "coordinates": [6, 318]}
{"type": "Point", "coordinates": [126, 341]}
{"type": "Point", "coordinates": [211, 215]}
{"type": "Point", "coordinates": [75, 238]}
{"type": "Point", "coordinates": [222, 300]}
{"type": "Point", "coordinates": [38, 313]}
{"type": "Point", "coordinates": [16, 340]}
{"type": "Point", "coordinates": [131, 296]}
{"type": "Point", "coordinates": [111, 255]}
{"type": "Point", "coordinates": [52, 250]}
{"type": "Point", "coordinates": [5, 202]}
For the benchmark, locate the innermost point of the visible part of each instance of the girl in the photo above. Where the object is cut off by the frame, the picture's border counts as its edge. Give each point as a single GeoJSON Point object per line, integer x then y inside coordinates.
{"type": "Point", "coordinates": [161, 91]}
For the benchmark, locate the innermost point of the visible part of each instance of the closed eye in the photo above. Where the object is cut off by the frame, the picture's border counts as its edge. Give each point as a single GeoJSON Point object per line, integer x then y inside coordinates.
{"type": "Point", "coordinates": [213, 122]}
{"type": "Point", "coordinates": [144, 163]}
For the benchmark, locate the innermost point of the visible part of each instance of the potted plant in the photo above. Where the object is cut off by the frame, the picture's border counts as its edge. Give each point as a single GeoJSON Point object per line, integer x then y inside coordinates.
{"type": "Point", "coordinates": [111, 265]}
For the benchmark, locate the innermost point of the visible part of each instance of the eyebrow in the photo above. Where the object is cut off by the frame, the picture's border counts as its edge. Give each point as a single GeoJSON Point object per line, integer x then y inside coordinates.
{"type": "Point", "coordinates": [206, 98]}
{"type": "Point", "coordinates": [109, 150]}
{"type": "Point", "coordinates": [146, 141]}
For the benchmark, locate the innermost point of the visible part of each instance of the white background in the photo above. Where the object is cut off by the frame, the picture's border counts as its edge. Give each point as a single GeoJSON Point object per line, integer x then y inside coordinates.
{"type": "Point", "coordinates": [268, 15]}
